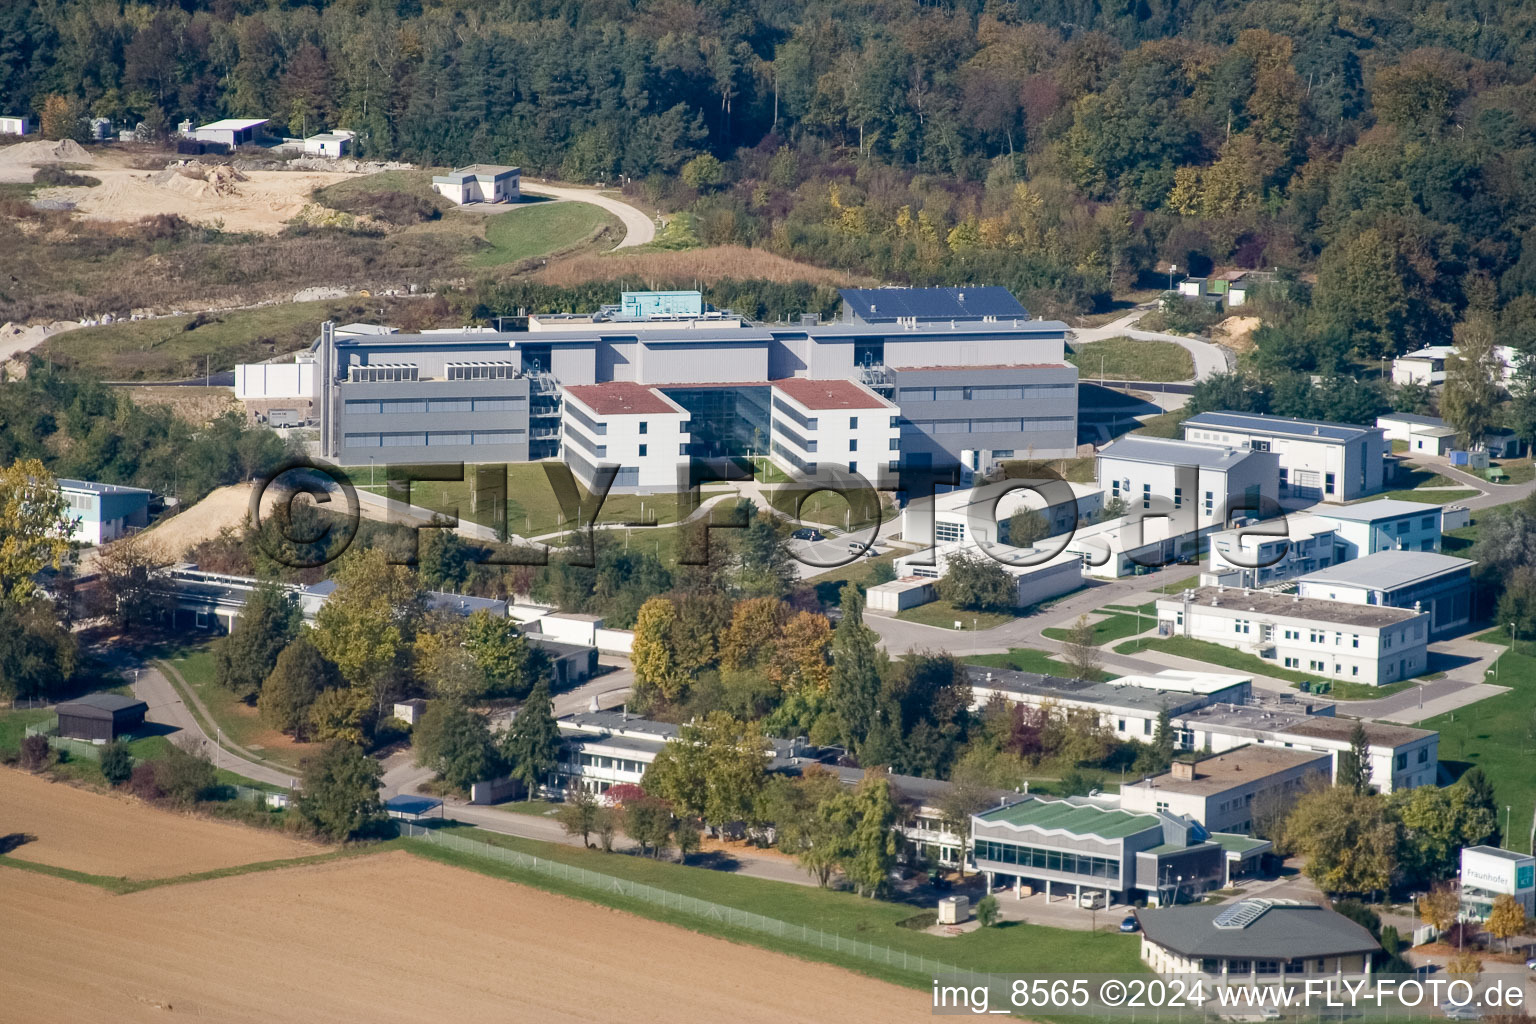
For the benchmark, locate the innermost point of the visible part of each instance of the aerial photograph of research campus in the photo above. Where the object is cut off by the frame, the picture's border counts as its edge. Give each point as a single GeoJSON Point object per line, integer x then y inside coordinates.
{"type": "Point", "coordinates": [694, 510]}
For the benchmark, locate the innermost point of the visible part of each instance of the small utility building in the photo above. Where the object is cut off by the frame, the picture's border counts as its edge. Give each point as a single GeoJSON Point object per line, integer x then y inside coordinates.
{"type": "Point", "coordinates": [232, 131]}
{"type": "Point", "coordinates": [100, 717]}
{"type": "Point", "coordinates": [480, 183]}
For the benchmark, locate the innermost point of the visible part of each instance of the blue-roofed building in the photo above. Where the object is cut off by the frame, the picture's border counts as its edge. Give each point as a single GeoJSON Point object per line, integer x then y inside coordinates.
{"type": "Point", "coordinates": [926, 305]}
{"type": "Point", "coordinates": [104, 512]}
{"type": "Point", "coordinates": [1318, 460]}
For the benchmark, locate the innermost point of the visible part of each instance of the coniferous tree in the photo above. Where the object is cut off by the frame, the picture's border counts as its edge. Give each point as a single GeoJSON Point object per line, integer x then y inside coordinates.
{"type": "Point", "coordinates": [532, 743]}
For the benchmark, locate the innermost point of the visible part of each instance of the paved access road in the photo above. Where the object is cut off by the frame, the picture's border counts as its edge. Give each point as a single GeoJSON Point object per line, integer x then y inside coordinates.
{"type": "Point", "coordinates": [638, 228]}
{"type": "Point", "coordinates": [1209, 357]}
{"type": "Point", "coordinates": [167, 708]}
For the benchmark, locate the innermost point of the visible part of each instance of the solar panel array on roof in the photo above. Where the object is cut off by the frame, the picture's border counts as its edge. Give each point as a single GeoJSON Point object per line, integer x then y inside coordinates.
{"type": "Point", "coordinates": [877, 305]}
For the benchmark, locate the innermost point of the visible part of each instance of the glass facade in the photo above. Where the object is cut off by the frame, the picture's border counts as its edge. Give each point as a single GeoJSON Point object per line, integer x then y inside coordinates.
{"type": "Point", "coordinates": [1046, 859]}
{"type": "Point", "coordinates": [725, 422]}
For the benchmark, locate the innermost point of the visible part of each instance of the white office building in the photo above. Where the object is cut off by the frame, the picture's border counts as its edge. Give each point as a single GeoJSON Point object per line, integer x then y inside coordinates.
{"type": "Point", "coordinates": [1334, 640]}
{"type": "Point", "coordinates": [1386, 525]}
{"type": "Point", "coordinates": [1268, 552]}
{"type": "Point", "coordinates": [1129, 706]}
{"type": "Point", "coordinates": [1196, 485]}
{"type": "Point", "coordinates": [637, 428]}
{"type": "Point", "coordinates": [1401, 757]}
{"type": "Point", "coordinates": [1439, 585]}
{"type": "Point", "coordinates": [1317, 459]}
{"type": "Point", "coordinates": [836, 424]}
{"type": "Point", "coordinates": [1225, 791]}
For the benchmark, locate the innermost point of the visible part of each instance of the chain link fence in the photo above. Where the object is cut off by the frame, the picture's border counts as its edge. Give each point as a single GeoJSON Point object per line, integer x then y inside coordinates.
{"type": "Point", "coordinates": [692, 905]}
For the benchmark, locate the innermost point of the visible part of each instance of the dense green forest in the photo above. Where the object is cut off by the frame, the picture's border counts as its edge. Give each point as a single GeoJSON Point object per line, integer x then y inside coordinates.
{"type": "Point", "coordinates": [1063, 148]}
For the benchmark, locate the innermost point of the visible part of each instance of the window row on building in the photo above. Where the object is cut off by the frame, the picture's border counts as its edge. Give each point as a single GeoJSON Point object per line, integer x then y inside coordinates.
{"type": "Point", "coordinates": [982, 393]}
{"type": "Point", "coordinates": [999, 426]}
{"type": "Point", "coordinates": [401, 406]}
{"type": "Point", "coordinates": [436, 438]}
{"type": "Point", "coordinates": [1048, 859]}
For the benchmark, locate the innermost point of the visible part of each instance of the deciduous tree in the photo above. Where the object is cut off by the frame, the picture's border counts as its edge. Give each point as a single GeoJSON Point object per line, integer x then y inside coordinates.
{"type": "Point", "coordinates": [1079, 651]}
{"type": "Point", "coordinates": [340, 797]}
{"type": "Point", "coordinates": [267, 624]}
{"type": "Point", "coordinates": [298, 678]}
{"type": "Point", "coordinates": [977, 583]}
{"type": "Point", "coordinates": [35, 528]}
{"type": "Point", "coordinates": [1350, 842]}
{"type": "Point", "coordinates": [657, 673]}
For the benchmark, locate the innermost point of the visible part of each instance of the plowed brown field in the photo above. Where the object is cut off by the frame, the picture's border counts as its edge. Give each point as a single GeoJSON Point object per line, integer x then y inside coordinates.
{"type": "Point", "coordinates": [119, 837]}
{"type": "Point", "coordinates": [392, 938]}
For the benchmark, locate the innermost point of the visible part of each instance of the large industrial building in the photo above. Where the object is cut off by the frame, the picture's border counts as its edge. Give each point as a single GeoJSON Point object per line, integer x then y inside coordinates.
{"type": "Point", "coordinates": [931, 392]}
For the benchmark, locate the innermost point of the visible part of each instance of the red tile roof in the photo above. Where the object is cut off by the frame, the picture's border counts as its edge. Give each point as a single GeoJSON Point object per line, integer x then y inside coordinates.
{"type": "Point", "coordinates": [830, 394]}
{"type": "Point", "coordinates": [619, 398]}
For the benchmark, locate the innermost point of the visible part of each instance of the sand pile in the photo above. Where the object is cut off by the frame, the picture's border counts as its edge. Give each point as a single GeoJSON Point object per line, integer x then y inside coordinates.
{"type": "Point", "coordinates": [34, 154]}
{"type": "Point", "coordinates": [1234, 332]}
{"type": "Point", "coordinates": [201, 181]}
{"type": "Point", "coordinates": [16, 339]}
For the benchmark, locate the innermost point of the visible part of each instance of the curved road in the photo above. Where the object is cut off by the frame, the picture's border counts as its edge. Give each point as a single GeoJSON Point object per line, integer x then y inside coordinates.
{"type": "Point", "coordinates": [638, 228]}
{"type": "Point", "coordinates": [1209, 358]}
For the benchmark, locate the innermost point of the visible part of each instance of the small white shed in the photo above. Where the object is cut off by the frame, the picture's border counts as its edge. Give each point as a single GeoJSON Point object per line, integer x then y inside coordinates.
{"type": "Point", "coordinates": [331, 145]}
{"type": "Point", "coordinates": [15, 125]}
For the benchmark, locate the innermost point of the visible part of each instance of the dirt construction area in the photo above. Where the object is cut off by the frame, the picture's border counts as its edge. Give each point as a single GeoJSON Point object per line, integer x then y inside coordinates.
{"type": "Point", "coordinates": [393, 938]}
{"type": "Point", "coordinates": [261, 201]}
{"type": "Point", "coordinates": [122, 838]}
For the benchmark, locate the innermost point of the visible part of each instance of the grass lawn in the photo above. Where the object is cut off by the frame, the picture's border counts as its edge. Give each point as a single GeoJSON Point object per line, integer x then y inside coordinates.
{"type": "Point", "coordinates": [871, 921]}
{"type": "Point", "coordinates": [1177, 587]}
{"type": "Point", "coordinates": [13, 726]}
{"type": "Point", "coordinates": [1115, 625]}
{"type": "Point", "coordinates": [416, 183]}
{"type": "Point", "coordinates": [1497, 734]}
{"type": "Point", "coordinates": [532, 508]}
{"type": "Point", "coordinates": [829, 585]}
{"type": "Point", "coordinates": [1162, 425]}
{"type": "Point", "coordinates": [1343, 689]}
{"type": "Point", "coordinates": [1518, 471]}
{"type": "Point", "coordinates": [944, 614]}
{"type": "Point", "coordinates": [1459, 541]}
{"type": "Point", "coordinates": [1215, 654]}
{"type": "Point", "coordinates": [1078, 471]}
{"type": "Point", "coordinates": [1430, 497]}
{"type": "Point", "coordinates": [1129, 359]}
{"type": "Point", "coordinates": [179, 347]}
{"type": "Point", "coordinates": [1027, 659]}
{"type": "Point", "coordinates": [541, 228]}
{"type": "Point", "coordinates": [237, 720]}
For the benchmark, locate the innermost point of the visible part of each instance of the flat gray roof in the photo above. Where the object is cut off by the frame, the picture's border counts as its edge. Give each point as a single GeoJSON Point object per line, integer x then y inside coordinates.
{"type": "Point", "coordinates": [1266, 722]}
{"type": "Point", "coordinates": [1171, 451]}
{"type": "Point", "coordinates": [95, 488]}
{"type": "Point", "coordinates": [1280, 426]}
{"type": "Point", "coordinates": [1342, 613]}
{"type": "Point", "coordinates": [1389, 570]}
{"type": "Point", "coordinates": [1280, 931]}
{"type": "Point", "coordinates": [1140, 698]}
{"type": "Point", "coordinates": [1494, 851]}
{"type": "Point", "coordinates": [1375, 511]}
{"type": "Point", "coordinates": [1236, 767]}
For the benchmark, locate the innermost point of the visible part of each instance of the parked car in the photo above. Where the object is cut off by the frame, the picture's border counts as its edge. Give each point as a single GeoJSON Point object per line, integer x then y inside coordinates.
{"type": "Point", "coordinates": [1530, 964]}
{"type": "Point", "coordinates": [1455, 1011]}
{"type": "Point", "coordinates": [1130, 924]}
{"type": "Point", "coordinates": [806, 533]}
